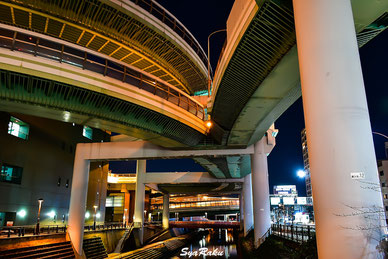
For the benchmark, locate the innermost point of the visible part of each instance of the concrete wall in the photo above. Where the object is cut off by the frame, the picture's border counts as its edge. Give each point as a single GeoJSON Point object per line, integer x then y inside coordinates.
{"type": "Point", "coordinates": [46, 156]}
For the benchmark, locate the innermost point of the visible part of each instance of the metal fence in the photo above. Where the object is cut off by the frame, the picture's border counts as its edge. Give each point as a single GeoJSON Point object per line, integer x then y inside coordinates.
{"type": "Point", "coordinates": [297, 233]}
{"type": "Point", "coordinates": [17, 41]}
{"type": "Point", "coordinates": [168, 19]}
{"type": "Point", "coordinates": [31, 230]}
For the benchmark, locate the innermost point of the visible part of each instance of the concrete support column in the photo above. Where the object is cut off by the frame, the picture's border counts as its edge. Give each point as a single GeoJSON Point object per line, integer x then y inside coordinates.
{"type": "Point", "coordinates": [343, 167]}
{"type": "Point", "coordinates": [139, 197]}
{"type": "Point", "coordinates": [166, 210]}
{"type": "Point", "coordinates": [247, 204]}
{"type": "Point", "coordinates": [79, 191]}
{"type": "Point", "coordinates": [260, 191]}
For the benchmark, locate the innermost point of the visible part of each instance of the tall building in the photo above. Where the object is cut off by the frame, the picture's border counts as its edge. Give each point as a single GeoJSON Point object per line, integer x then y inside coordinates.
{"type": "Point", "coordinates": [306, 163]}
{"type": "Point", "coordinates": [383, 175]}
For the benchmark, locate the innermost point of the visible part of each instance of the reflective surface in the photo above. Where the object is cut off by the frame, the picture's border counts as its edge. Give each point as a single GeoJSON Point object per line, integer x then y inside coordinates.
{"type": "Point", "coordinates": [219, 243]}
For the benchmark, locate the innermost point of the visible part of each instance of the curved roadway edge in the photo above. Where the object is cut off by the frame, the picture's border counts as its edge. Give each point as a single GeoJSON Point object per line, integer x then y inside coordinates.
{"type": "Point", "coordinates": [152, 21]}
{"type": "Point", "coordinates": [143, 17]}
{"type": "Point", "coordinates": [36, 66]}
{"type": "Point", "coordinates": [281, 88]}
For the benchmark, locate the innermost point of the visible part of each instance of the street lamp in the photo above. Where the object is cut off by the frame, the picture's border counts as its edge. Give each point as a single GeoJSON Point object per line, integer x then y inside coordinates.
{"type": "Point", "coordinates": [206, 215]}
{"type": "Point", "coordinates": [158, 215]}
{"type": "Point", "coordinates": [301, 173]}
{"type": "Point", "coordinates": [125, 218]}
{"type": "Point", "coordinates": [40, 201]}
{"type": "Point", "coordinates": [95, 216]}
{"type": "Point", "coordinates": [208, 60]}
{"type": "Point", "coordinates": [380, 134]}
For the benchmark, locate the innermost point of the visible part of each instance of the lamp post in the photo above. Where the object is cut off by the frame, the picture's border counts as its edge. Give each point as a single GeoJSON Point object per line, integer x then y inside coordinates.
{"type": "Point", "coordinates": [158, 215]}
{"type": "Point", "coordinates": [95, 216]}
{"type": "Point", "coordinates": [208, 60]}
{"type": "Point", "coordinates": [40, 201]}
{"type": "Point", "coordinates": [380, 134]}
{"type": "Point", "coordinates": [125, 218]}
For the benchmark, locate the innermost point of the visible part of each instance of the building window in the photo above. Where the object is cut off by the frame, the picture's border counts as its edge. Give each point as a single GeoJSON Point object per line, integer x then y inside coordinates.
{"type": "Point", "coordinates": [386, 208]}
{"type": "Point", "coordinates": [11, 174]}
{"type": "Point", "coordinates": [87, 132]}
{"type": "Point", "coordinates": [382, 184]}
{"type": "Point", "coordinates": [381, 173]}
{"type": "Point", "coordinates": [385, 196]}
{"type": "Point", "coordinates": [18, 128]}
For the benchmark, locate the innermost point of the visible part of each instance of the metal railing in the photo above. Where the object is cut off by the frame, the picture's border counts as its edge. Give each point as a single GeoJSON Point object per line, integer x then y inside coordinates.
{"type": "Point", "coordinates": [21, 231]}
{"type": "Point", "coordinates": [297, 233]}
{"type": "Point", "coordinates": [106, 226]}
{"type": "Point", "coordinates": [25, 43]}
{"type": "Point", "coordinates": [168, 19]}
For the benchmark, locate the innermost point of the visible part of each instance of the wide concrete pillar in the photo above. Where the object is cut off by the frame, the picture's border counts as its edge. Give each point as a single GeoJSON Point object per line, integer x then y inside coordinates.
{"type": "Point", "coordinates": [139, 197]}
{"type": "Point", "coordinates": [342, 160]}
{"type": "Point", "coordinates": [79, 191]}
{"type": "Point", "coordinates": [166, 210]}
{"type": "Point", "coordinates": [247, 204]}
{"type": "Point", "coordinates": [260, 192]}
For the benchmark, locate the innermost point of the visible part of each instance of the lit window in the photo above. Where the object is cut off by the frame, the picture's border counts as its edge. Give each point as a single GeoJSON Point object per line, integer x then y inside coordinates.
{"type": "Point", "coordinates": [114, 201]}
{"type": "Point", "coordinates": [87, 132]}
{"type": "Point", "coordinates": [18, 128]}
{"type": "Point", "coordinates": [11, 174]}
{"type": "Point", "coordinates": [385, 196]}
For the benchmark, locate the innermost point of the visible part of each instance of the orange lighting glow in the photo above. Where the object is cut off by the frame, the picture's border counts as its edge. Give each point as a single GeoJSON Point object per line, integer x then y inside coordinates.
{"type": "Point", "coordinates": [209, 124]}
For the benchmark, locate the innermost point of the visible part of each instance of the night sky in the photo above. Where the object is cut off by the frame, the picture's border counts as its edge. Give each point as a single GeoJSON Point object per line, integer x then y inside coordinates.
{"type": "Point", "coordinates": [202, 17]}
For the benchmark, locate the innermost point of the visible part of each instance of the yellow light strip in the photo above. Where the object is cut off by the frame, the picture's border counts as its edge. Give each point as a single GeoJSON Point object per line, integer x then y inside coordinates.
{"type": "Point", "coordinates": [115, 51]}
{"type": "Point", "coordinates": [63, 28]}
{"type": "Point", "coordinates": [46, 25]}
{"type": "Point", "coordinates": [106, 43]}
{"type": "Point", "coordinates": [80, 37]}
{"type": "Point", "coordinates": [125, 56]}
{"type": "Point", "coordinates": [13, 15]}
{"type": "Point", "coordinates": [91, 39]}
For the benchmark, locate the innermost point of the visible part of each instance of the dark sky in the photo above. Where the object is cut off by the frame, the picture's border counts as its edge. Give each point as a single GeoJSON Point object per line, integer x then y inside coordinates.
{"type": "Point", "coordinates": [202, 17]}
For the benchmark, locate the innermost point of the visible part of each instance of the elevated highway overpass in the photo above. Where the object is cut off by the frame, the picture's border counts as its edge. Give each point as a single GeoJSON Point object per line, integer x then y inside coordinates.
{"type": "Point", "coordinates": [132, 67]}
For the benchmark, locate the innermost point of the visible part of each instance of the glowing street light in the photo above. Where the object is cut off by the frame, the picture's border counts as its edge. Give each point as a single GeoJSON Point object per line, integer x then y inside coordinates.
{"type": "Point", "coordinates": [95, 216]}
{"type": "Point", "coordinates": [301, 173]}
{"type": "Point", "coordinates": [22, 213]}
{"type": "Point", "coordinates": [40, 201]}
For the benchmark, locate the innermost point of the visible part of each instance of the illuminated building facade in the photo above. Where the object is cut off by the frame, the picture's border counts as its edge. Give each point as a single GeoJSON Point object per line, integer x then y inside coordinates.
{"type": "Point", "coordinates": [306, 164]}
{"type": "Point", "coordinates": [36, 160]}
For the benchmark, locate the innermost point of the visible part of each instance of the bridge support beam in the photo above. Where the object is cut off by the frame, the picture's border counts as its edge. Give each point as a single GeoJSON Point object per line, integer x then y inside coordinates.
{"type": "Point", "coordinates": [79, 191]}
{"type": "Point", "coordinates": [247, 203]}
{"type": "Point", "coordinates": [139, 197]}
{"type": "Point", "coordinates": [166, 210]}
{"type": "Point", "coordinates": [347, 196]}
{"type": "Point", "coordinates": [260, 191]}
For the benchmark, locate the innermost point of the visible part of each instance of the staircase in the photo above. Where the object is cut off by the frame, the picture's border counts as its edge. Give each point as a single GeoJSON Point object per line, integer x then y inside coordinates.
{"type": "Point", "coordinates": [61, 250]}
{"type": "Point", "coordinates": [94, 248]}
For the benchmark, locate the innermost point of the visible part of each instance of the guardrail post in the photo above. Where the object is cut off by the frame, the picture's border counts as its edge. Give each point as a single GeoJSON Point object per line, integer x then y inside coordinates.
{"type": "Point", "coordinates": [302, 234]}
{"type": "Point", "coordinates": [57, 228]}
{"type": "Point", "coordinates": [292, 232]}
{"type": "Point", "coordinates": [308, 232]}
